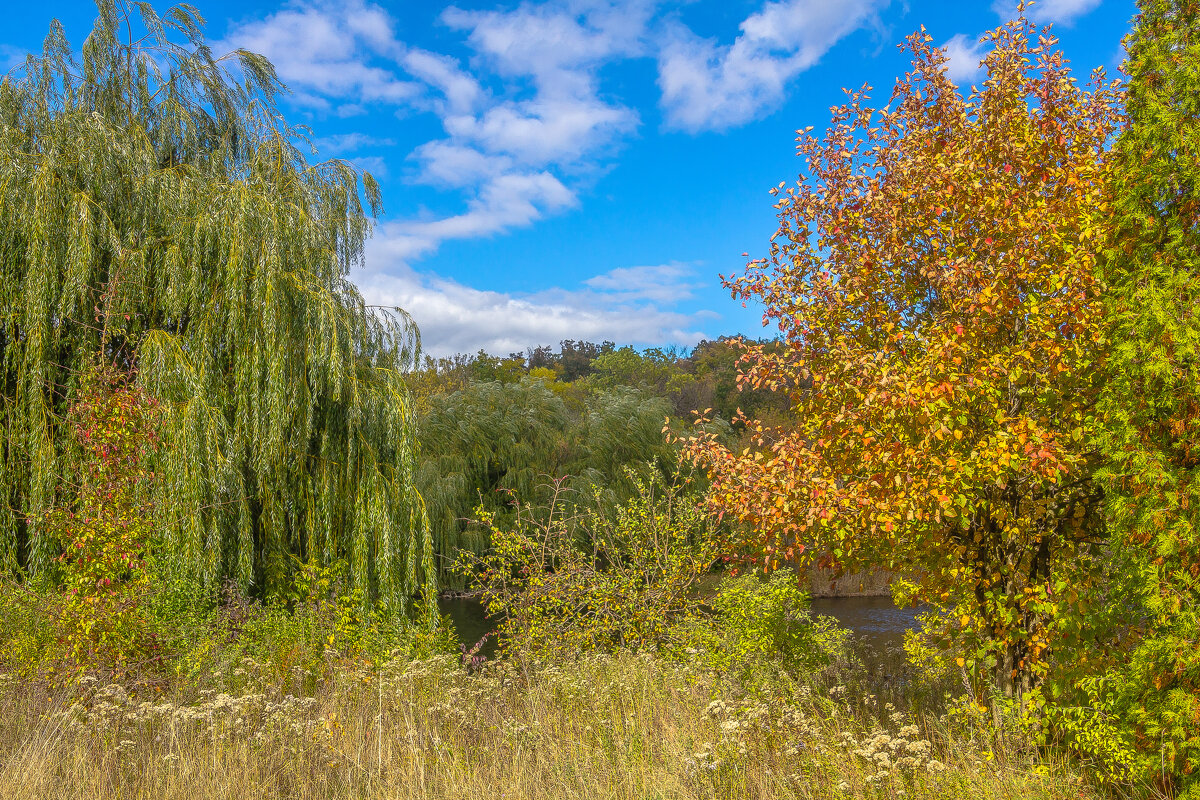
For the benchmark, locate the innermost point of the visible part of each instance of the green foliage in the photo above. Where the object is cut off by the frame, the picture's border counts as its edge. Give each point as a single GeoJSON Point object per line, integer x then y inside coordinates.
{"type": "Point", "coordinates": [765, 622]}
{"type": "Point", "coordinates": [621, 427]}
{"type": "Point", "coordinates": [1152, 404]}
{"type": "Point", "coordinates": [478, 445]}
{"type": "Point", "coordinates": [490, 444]}
{"type": "Point", "coordinates": [313, 631]}
{"type": "Point", "coordinates": [575, 576]}
{"type": "Point", "coordinates": [103, 532]}
{"type": "Point", "coordinates": [321, 630]}
{"type": "Point", "coordinates": [1097, 731]}
{"type": "Point", "coordinates": [168, 178]}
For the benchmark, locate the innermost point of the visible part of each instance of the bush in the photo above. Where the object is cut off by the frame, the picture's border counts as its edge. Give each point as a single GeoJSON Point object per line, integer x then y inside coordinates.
{"type": "Point", "coordinates": [764, 624]}
{"type": "Point", "coordinates": [573, 576]}
{"type": "Point", "coordinates": [86, 614]}
{"type": "Point", "coordinates": [316, 629]}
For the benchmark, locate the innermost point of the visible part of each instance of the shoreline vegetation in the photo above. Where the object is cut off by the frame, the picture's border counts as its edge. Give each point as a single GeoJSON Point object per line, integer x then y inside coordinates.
{"type": "Point", "coordinates": [870, 583]}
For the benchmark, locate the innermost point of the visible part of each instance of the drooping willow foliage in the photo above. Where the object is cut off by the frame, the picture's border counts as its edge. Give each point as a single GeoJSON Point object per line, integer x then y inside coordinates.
{"type": "Point", "coordinates": [494, 445]}
{"type": "Point", "coordinates": [155, 211]}
{"type": "Point", "coordinates": [480, 445]}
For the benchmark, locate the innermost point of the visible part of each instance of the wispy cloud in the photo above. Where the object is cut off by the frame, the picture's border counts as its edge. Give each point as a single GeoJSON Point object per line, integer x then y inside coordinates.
{"type": "Point", "coordinates": [1062, 12]}
{"type": "Point", "coordinates": [454, 318]}
{"type": "Point", "coordinates": [514, 155]}
{"type": "Point", "coordinates": [663, 283]}
{"type": "Point", "coordinates": [376, 165]}
{"type": "Point", "coordinates": [349, 143]}
{"type": "Point", "coordinates": [557, 44]}
{"type": "Point", "coordinates": [511, 200]}
{"type": "Point", "coordinates": [708, 86]}
{"type": "Point", "coordinates": [525, 125]}
{"type": "Point", "coordinates": [11, 57]}
{"type": "Point", "coordinates": [964, 57]}
{"type": "Point", "coordinates": [331, 54]}
{"type": "Point", "coordinates": [461, 91]}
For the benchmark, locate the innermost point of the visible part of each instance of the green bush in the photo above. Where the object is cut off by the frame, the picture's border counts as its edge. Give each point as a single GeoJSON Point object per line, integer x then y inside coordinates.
{"type": "Point", "coordinates": [316, 628]}
{"type": "Point", "coordinates": [576, 576]}
{"type": "Point", "coordinates": [764, 624]}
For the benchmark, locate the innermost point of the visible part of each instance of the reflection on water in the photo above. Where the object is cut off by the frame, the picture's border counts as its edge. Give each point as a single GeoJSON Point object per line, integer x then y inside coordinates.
{"type": "Point", "coordinates": [874, 619]}
{"type": "Point", "coordinates": [471, 622]}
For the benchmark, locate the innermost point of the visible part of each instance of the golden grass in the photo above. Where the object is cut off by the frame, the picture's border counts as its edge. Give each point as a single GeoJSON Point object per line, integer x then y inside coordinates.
{"type": "Point", "coordinates": [623, 726]}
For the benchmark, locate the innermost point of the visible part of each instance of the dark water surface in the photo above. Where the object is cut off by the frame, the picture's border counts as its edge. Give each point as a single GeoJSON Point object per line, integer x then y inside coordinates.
{"type": "Point", "coordinates": [471, 622]}
{"type": "Point", "coordinates": [874, 619]}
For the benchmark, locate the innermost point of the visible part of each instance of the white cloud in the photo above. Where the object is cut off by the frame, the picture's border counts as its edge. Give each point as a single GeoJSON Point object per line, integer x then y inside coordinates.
{"type": "Point", "coordinates": [447, 163]}
{"type": "Point", "coordinates": [454, 318]}
{"type": "Point", "coordinates": [1062, 12]}
{"type": "Point", "coordinates": [555, 44]}
{"type": "Point", "coordinates": [662, 283]}
{"type": "Point", "coordinates": [514, 156]}
{"type": "Point", "coordinates": [963, 58]}
{"type": "Point", "coordinates": [511, 158]}
{"type": "Point", "coordinates": [349, 143]}
{"type": "Point", "coordinates": [462, 92]}
{"type": "Point", "coordinates": [707, 86]}
{"type": "Point", "coordinates": [545, 131]}
{"type": "Point", "coordinates": [330, 52]}
{"type": "Point", "coordinates": [376, 165]}
{"type": "Point", "coordinates": [510, 200]}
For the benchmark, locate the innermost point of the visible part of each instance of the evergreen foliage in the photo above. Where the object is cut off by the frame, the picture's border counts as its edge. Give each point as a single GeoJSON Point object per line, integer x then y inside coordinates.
{"type": "Point", "coordinates": [1152, 405]}
{"type": "Point", "coordinates": [154, 207]}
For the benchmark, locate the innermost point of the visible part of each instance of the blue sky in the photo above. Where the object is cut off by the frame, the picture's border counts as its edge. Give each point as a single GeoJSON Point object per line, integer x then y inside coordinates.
{"type": "Point", "coordinates": [581, 169]}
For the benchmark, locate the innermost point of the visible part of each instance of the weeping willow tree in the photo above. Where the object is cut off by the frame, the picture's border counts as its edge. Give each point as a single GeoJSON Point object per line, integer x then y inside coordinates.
{"type": "Point", "coordinates": [484, 445]}
{"type": "Point", "coordinates": [155, 211]}
{"type": "Point", "coordinates": [493, 444]}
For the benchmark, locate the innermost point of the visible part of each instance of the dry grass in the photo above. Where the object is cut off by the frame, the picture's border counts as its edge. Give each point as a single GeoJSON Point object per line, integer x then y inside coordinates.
{"type": "Point", "coordinates": [620, 726]}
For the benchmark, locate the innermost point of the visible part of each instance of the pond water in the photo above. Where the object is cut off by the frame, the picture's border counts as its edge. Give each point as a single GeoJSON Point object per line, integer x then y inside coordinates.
{"type": "Point", "coordinates": [874, 619]}
{"type": "Point", "coordinates": [471, 622]}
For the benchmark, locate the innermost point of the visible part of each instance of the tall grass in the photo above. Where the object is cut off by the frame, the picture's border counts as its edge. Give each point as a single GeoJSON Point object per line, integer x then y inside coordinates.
{"type": "Point", "coordinates": [605, 726]}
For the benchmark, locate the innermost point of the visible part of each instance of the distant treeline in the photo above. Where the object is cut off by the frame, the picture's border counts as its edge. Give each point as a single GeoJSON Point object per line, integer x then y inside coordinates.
{"type": "Point", "coordinates": [704, 377]}
{"type": "Point", "coordinates": [495, 431]}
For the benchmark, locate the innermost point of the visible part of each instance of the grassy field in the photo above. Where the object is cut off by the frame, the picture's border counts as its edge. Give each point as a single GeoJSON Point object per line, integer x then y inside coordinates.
{"type": "Point", "coordinates": [621, 726]}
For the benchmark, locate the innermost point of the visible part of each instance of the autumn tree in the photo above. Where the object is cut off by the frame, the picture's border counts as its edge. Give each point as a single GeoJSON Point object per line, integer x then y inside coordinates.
{"type": "Point", "coordinates": [165, 179]}
{"type": "Point", "coordinates": [1152, 406]}
{"type": "Point", "coordinates": [933, 280]}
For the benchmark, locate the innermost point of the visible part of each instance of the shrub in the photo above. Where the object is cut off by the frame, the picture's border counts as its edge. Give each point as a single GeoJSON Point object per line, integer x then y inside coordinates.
{"type": "Point", "coordinates": [317, 628]}
{"type": "Point", "coordinates": [88, 612]}
{"type": "Point", "coordinates": [574, 576]}
{"type": "Point", "coordinates": [764, 623]}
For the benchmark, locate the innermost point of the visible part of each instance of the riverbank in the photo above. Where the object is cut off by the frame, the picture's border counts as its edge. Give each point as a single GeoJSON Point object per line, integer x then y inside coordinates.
{"type": "Point", "coordinates": [613, 726]}
{"type": "Point", "coordinates": [827, 583]}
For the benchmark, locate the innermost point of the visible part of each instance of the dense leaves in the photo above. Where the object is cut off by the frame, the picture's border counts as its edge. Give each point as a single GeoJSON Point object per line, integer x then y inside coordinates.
{"type": "Point", "coordinates": [1152, 405]}
{"type": "Point", "coordinates": [494, 443]}
{"type": "Point", "coordinates": [166, 178]}
{"type": "Point", "coordinates": [933, 279]}
{"type": "Point", "coordinates": [105, 527]}
{"type": "Point", "coordinates": [575, 574]}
